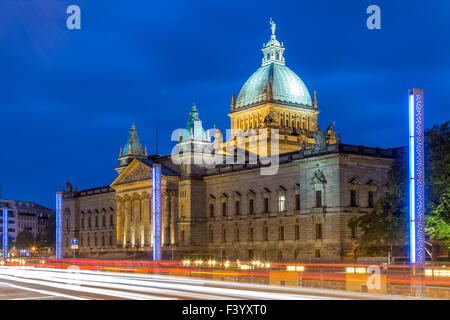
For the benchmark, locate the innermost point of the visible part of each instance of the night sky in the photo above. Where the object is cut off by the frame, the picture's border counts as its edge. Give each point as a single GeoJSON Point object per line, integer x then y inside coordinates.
{"type": "Point", "coordinates": [68, 97]}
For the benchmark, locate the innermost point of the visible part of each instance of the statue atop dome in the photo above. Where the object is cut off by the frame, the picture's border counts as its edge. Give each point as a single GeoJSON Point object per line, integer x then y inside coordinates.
{"type": "Point", "coordinates": [273, 26]}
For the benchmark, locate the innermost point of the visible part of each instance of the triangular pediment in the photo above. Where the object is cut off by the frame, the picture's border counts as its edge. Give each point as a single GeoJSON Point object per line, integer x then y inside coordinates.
{"type": "Point", "coordinates": [354, 181]}
{"type": "Point", "coordinates": [135, 171]}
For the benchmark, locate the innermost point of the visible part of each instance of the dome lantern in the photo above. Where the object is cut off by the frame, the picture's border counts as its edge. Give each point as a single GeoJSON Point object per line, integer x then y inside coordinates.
{"type": "Point", "coordinates": [273, 82]}
{"type": "Point", "coordinates": [273, 50]}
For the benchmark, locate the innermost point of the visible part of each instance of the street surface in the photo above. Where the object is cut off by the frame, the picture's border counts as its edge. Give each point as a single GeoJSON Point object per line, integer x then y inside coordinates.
{"type": "Point", "coordinates": [28, 283]}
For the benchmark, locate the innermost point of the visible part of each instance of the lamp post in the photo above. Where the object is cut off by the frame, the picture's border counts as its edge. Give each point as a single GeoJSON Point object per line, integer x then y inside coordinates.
{"type": "Point", "coordinates": [416, 185]}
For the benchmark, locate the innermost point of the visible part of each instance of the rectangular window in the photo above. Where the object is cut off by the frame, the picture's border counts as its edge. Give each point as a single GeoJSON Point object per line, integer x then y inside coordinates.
{"type": "Point", "coordinates": [251, 206]}
{"type": "Point", "coordinates": [282, 203]}
{"type": "Point", "coordinates": [211, 210]}
{"type": "Point", "coordinates": [318, 231]}
{"type": "Point", "coordinates": [250, 234]}
{"type": "Point", "coordinates": [211, 235]}
{"type": "Point", "coordinates": [352, 198]}
{"type": "Point", "coordinates": [353, 236]}
{"type": "Point", "coordinates": [251, 254]}
{"type": "Point", "coordinates": [317, 253]}
{"type": "Point", "coordinates": [297, 202]}
{"type": "Point", "coordinates": [318, 198]}
{"type": "Point", "coordinates": [237, 234]}
{"type": "Point", "coordinates": [266, 205]}
{"type": "Point", "coordinates": [297, 232]}
{"type": "Point", "coordinates": [182, 236]}
{"type": "Point", "coordinates": [236, 208]}
{"type": "Point", "coordinates": [266, 233]}
{"type": "Point", "coordinates": [224, 235]}
{"type": "Point", "coordinates": [280, 255]}
{"type": "Point", "coordinates": [224, 209]}
{"type": "Point", "coordinates": [370, 199]}
{"type": "Point", "coordinates": [281, 233]}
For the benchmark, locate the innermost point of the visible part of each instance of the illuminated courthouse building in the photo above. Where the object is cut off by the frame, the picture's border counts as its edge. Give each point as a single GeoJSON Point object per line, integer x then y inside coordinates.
{"type": "Point", "coordinates": [232, 210]}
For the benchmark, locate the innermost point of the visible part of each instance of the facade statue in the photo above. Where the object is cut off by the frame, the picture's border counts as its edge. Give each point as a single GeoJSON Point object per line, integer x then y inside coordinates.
{"type": "Point", "coordinates": [320, 139]}
{"type": "Point", "coordinates": [331, 139]}
{"type": "Point", "coordinates": [268, 120]}
{"type": "Point", "coordinates": [69, 187]}
{"type": "Point", "coordinates": [319, 177]}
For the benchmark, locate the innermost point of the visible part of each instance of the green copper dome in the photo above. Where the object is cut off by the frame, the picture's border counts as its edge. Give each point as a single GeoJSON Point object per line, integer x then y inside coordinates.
{"type": "Point", "coordinates": [273, 81]}
{"type": "Point", "coordinates": [194, 129]}
{"type": "Point", "coordinates": [133, 145]}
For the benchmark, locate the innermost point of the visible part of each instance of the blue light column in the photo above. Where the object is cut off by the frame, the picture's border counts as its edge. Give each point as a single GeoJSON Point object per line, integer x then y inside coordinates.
{"type": "Point", "coordinates": [156, 211]}
{"type": "Point", "coordinates": [416, 177]}
{"type": "Point", "coordinates": [5, 233]}
{"type": "Point", "coordinates": [58, 223]}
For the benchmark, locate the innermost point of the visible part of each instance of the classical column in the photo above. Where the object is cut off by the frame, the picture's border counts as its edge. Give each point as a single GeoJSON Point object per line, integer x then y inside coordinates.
{"type": "Point", "coordinates": [126, 226]}
{"type": "Point", "coordinates": [165, 216]}
{"type": "Point", "coordinates": [133, 220]}
{"type": "Point", "coordinates": [119, 221]}
{"type": "Point", "coordinates": [146, 220]}
{"type": "Point", "coordinates": [141, 221]}
{"type": "Point", "coordinates": [173, 218]}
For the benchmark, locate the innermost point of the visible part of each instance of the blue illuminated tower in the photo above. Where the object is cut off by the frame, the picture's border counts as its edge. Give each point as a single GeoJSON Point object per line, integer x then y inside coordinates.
{"type": "Point", "coordinates": [416, 177]}
{"type": "Point", "coordinates": [156, 211]}
{"type": "Point", "coordinates": [58, 223]}
{"type": "Point", "coordinates": [5, 233]}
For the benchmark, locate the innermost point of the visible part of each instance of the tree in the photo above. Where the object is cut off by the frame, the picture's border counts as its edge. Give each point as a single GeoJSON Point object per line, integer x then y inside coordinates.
{"type": "Point", "coordinates": [437, 183]}
{"type": "Point", "coordinates": [48, 237]}
{"type": "Point", "coordinates": [24, 240]}
{"type": "Point", "coordinates": [387, 224]}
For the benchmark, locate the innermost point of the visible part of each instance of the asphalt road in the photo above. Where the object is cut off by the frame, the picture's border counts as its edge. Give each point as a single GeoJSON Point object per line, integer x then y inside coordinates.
{"type": "Point", "coordinates": [27, 283]}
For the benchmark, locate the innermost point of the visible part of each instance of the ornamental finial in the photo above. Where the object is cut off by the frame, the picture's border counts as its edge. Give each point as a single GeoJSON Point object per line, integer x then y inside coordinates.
{"type": "Point", "coordinates": [273, 26]}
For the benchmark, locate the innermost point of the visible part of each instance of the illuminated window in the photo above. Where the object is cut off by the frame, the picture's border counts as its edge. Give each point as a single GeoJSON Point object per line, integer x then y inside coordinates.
{"type": "Point", "coordinates": [282, 203]}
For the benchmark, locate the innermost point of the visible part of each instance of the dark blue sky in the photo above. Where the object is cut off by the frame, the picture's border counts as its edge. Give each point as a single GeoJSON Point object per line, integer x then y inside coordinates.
{"type": "Point", "coordinates": [68, 97]}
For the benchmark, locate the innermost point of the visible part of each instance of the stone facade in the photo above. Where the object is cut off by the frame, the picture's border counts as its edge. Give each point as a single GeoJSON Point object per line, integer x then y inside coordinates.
{"type": "Point", "coordinates": [234, 212]}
